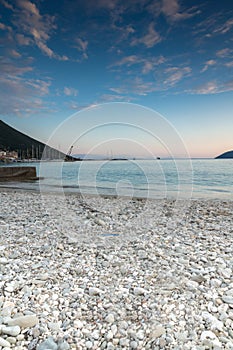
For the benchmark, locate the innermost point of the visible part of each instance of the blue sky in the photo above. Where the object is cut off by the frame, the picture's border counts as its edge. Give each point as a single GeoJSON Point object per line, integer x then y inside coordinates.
{"type": "Point", "coordinates": [172, 56]}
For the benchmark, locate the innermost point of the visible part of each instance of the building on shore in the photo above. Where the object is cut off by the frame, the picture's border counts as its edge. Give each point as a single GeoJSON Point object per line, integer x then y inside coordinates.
{"type": "Point", "coordinates": [8, 156]}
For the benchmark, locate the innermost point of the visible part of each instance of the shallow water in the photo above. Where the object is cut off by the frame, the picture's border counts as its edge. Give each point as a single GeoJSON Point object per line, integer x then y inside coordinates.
{"type": "Point", "coordinates": [199, 178]}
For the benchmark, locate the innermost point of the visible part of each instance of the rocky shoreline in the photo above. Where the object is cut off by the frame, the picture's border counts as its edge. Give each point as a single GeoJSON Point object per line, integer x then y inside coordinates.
{"type": "Point", "coordinates": [115, 273]}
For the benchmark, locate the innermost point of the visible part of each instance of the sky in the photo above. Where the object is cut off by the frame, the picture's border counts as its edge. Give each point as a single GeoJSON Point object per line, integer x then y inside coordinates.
{"type": "Point", "coordinates": [76, 65]}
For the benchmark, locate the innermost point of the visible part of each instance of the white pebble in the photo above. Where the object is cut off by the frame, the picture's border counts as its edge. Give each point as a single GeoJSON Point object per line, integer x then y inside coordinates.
{"type": "Point", "coordinates": [139, 291]}
{"type": "Point", "coordinates": [4, 343]}
{"type": "Point", "coordinates": [110, 318]}
{"type": "Point", "coordinates": [78, 324]}
{"type": "Point", "coordinates": [94, 291]}
{"type": "Point", "coordinates": [14, 330]}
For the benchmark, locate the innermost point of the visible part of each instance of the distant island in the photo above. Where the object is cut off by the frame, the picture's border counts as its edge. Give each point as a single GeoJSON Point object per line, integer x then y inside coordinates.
{"type": "Point", "coordinates": [226, 155]}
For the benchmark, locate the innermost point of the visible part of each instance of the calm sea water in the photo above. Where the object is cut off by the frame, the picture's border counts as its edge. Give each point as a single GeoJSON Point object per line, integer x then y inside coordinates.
{"type": "Point", "coordinates": [141, 178]}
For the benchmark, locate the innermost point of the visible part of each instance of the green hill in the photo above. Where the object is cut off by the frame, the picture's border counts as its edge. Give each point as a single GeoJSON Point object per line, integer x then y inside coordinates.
{"type": "Point", "coordinates": [226, 155]}
{"type": "Point", "coordinates": [27, 147]}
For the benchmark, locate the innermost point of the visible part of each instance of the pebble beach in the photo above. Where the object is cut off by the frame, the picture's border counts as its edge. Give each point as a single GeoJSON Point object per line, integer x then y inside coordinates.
{"type": "Point", "coordinates": [114, 273]}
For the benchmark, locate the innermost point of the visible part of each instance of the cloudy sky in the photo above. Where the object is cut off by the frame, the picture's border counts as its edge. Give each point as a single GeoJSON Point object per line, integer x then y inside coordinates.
{"type": "Point", "coordinates": [172, 56]}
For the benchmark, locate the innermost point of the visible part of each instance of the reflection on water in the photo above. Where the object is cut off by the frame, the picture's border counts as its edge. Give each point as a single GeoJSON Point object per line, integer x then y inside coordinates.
{"type": "Point", "coordinates": [139, 178]}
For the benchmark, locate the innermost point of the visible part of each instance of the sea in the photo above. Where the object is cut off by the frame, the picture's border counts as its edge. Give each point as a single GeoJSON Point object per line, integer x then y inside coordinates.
{"type": "Point", "coordinates": [164, 178]}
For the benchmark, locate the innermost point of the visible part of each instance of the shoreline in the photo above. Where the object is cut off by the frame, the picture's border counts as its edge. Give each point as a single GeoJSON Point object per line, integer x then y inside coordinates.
{"type": "Point", "coordinates": [110, 196]}
{"type": "Point", "coordinates": [115, 273]}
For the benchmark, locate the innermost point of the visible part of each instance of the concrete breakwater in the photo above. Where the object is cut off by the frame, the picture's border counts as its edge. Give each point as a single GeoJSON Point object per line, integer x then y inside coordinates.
{"type": "Point", "coordinates": [18, 173]}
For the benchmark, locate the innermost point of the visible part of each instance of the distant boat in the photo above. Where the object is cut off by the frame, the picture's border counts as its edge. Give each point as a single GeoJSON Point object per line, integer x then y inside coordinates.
{"type": "Point", "coordinates": [158, 158]}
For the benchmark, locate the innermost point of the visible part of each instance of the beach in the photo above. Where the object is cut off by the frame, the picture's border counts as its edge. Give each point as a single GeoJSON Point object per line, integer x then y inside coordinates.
{"type": "Point", "coordinates": [85, 272]}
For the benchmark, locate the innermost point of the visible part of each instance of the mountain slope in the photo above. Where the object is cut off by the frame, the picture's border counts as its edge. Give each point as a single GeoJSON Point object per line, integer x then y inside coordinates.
{"type": "Point", "coordinates": [27, 147]}
{"type": "Point", "coordinates": [226, 155]}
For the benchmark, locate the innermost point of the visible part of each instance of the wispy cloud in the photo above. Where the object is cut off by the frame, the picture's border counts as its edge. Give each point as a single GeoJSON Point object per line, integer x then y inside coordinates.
{"type": "Point", "coordinates": [10, 69]}
{"type": "Point", "coordinates": [14, 53]}
{"type": "Point", "coordinates": [223, 52]}
{"type": "Point", "coordinates": [163, 79]}
{"type": "Point", "coordinates": [6, 4]}
{"type": "Point", "coordinates": [208, 64]}
{"type": "Point", "coordinates": [150, 39]}
{"type": "Point", "coordinates": [5, 27]}
{"type": "Point", "coordinates": [229, 64]}
{"type": "Point", "coordinates": [215, 24]}
{"type": "Point", "coordinates": [33, 28]}
{"type": "Point", "coordinates": [176, 74]}
{"type": "Point", "coordinates": [207, 88]}
{"type": "Point", "coordinates": [142, 88]}
{"type": "Point", "coordinates": [150, 64]}
{"type": "Point", "coordinates": [41, 86]}
{"type": "Point", "coordinates": [128, 61]}
{"type": "Point", "coordinates": [213, 87]}
{"type": "Point", "coordinates": [118, 90]}
{"type": "Point", "coordinates": [114, 98]}
{"type": "Point", "coordinates": [171, 9]}
{"type": "Point", "coordinates": [23, 40]}
{"type": "Point", "coordinates": [74, 105]}
{"type": "Point", "coordinates": [21, 94]}
{"type": "Point", "coordinates": [135, 86]}
{"type": "Point", "coordinates": [147, 64]}
{"type": "Point", "coordinates": [225, 27]}
{"type": "Point", "coordinates": [69, 91]}
{"type": "Point", "coordinates": [82, 46]}
{"type": "Point", "coordinates": [22, 97]}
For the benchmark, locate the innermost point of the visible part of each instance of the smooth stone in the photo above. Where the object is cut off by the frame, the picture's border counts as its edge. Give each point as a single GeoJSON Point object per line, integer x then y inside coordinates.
{"type": "Point", "coordinates": [11, 340]}
{"type": "Point", "coordinates": [100, 222]}
{"type": "Point", "coordinates": [48, 344]}
{"type": "Point", "coordinates": [24, 321]}
{"type": "Point", "coordinates": [95, 335]}
{"type": "Point", "coordinates": [140, 335]}
{"type": "Point", "coordinates": [20, 337]}
{"type": "Point", "coordinates": [215, 282]}
{"type": "Point", "coordinates": [133, 344]}
{"type": "Point", "coordinates": [110, 346]}
{"type": "Point", "coordinates": [54, 326]}
{"type": "Point", "coordinates": [10, 288]}
{"type": "Point", "coordinates": [124, 342]}
{"type": "Point", "coordinates": [139, 291]}
{"type": "Point", "coordinates": [103, 345]}
{"type": "Point", "coordinates": [94, 291]}
{"type": "Point", "coordinates": [7, 308]}
{"type": "Point", "coordinates": [226, 273]}
{"type": "Point", "coordinates": [115, 341]}
{"type": "Point", "coordinates": [198, 278]}
{"type": "Point", "coordinates": [192, 285]}
{"type": "Point", "coordinates": [4, 343]}
{"type": "Point", "coordinates": [227, 299]}
{"type": "Point", "coordinates": [89, 344]}
{"type": "Point", "coordinates": [114, 329]}
{"type": "Point", "coordinates": [207, 335]}
{"type": "Point", "coordinates": [78, 324]}
{"type": "Point", "coordinates": [3, 261]}
{"type": "Point", "coordinates": [123, 324]}
{"type": "Point", "coordinates": [214, 322]}
{"type": "Point", "coordinates": [63, 346]}
{"type": "Point", "coordinates": [11, 330]}
{"type": "Point", "coordinates": [157, 332]}
{"type": "Point", "coordinates": [109, 335]}
{"type": "Point", "coordinates": [110, 318]}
